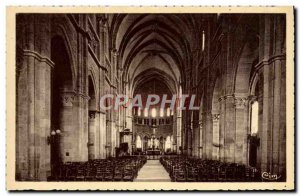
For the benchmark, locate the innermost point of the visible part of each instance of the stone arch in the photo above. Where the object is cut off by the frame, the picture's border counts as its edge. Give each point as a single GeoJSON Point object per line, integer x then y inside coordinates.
{"type": "Point", "coordinates": [62, 78]}
{"type": "Point", "coordinates": [61, 31]}
{"type": "Point", "coordinates": [253, 84]}
{"type": "Point", "coordinates": [215, 108]}
{"type": "Point", "coordinates": [243, 79]}
{"type": "Point", "coordinates": [139, 142]}
{"type": "Point", "coordinates": [93, 73]}
{"type": "Point", "coordinates": [201, 132]}
{"type": "Point", "coordinates": [92, 92]}
{"type": "Point", "coordinates": [244, 68]}
{"type": "Point", "coordinates": [92, 113]}
{"type": "Point", "coordinates": [62, 98]}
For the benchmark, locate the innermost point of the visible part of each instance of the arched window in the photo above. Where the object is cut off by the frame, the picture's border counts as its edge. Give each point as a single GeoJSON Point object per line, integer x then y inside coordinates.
{"type": "Point", "coordinates": [168, 112]}
{"type": "Point", "coordinates": [161, 112]}
{"type": "Point", "coordinates": [153, 112]}
{"type": "Point", "coordinates": [168, 143]}
{"type": "Point", "coordinates": [138, 142]}
{"type": "Point", "coordinates": [139, 112]}
{"type": "Point", "coordinates": [156, 143]}
{"type": "Point", "coordinates": [146, 112]}
{"type": "Point", "coordinates": [254, 118]}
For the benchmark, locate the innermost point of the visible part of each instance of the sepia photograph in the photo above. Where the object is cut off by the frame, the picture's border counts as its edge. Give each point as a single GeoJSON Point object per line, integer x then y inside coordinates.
{"type": "Point", "coordinates": [150, 98]}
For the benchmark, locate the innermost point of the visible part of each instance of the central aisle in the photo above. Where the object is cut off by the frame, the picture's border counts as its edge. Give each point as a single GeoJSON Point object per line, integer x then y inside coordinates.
{"type": "Point", "coordinates": [153, 171]}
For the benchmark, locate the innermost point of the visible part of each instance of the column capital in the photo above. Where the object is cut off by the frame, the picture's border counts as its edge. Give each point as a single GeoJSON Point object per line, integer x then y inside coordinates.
{"type": "Point", "coordinates": [215, 117]}
{"type": "Point", "coordinates": [115, 52]}
{"type": "Point", "coordinates": [67, 98]}
{"type": "Point", "coordinates": [201, 124]}
{"type": "Point", "coordinates": [252, 98]}
{"type": "Point", "coordinates": [226, 97]}
{"type": "Point", "coordinates": [92, 115]}
{"type": "Point", "coordinates": [83, 96]}
{"type": "Point", "coordinates": [240, 101]}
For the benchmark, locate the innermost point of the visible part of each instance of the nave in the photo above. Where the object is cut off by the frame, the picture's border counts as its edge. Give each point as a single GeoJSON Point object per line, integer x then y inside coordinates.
{"type": "Point", "coordinates": [72, 68]}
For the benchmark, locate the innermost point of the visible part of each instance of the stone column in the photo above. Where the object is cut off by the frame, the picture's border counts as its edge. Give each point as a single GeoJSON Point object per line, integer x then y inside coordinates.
{"type": "Point", "coordinates": [189, 132]}
{"type": "Point", "coordinates": [68, 140]}
{"type": "Point", "coordinates": [208, 145]}
{"type": "Point", "coordinates": [33, 114]}
{"type": "Point", "coordinates": [266, 137]}
{"type": "Point", "coordinates": [282, 126]}
{"type": "Point", "coordinates": [241, 128]}
{"type": "Point", "coordinates": [97, 142]}
{"type": "Point", "coordinates": [222, 123]}
{"type": "Point", "coordinates": [279, 125]}
{"type": "Point", "coordinates": [216, 136]}
{"type": "Point", "coordinates": [79, 132]}
{"type": "Point", "coordinates": [33, 107]}
{"type": "Point", "coordinates": [200, 139]}
{"type": "Point", "coordinates": [260, 117]}
{"type": "Point", "coordinates": [108, 135]}
{"type": "Point", "coordinates": [174, 126]}
{"type": "Point", "coordinates": [179, 131]}
{"type": "Point", "coordinates": [129, 118]}
{"type": "Point", "coordinates": [92, 136]}
{"type": "Point", "coordinates": [129, 125]}
{"type": "Point", "coordinates": [113, 138]}
{"type": "Point", "coordinates": [102, 130]}
{"type": "Point", "coordinates": [229, 129]}
{"type": "Point", "coordinates": [101, 54]}
{"type": "Point", "coordinates": [196, 138]}
{"type": "Point", "coordinates": [265, 50]}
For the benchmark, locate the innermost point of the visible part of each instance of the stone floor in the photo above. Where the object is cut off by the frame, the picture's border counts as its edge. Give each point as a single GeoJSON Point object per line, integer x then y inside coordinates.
{"type": "Point", "coordinates": [153, 171]}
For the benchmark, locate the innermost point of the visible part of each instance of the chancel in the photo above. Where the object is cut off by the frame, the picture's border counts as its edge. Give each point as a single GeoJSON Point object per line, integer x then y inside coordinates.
{"type": "Point", "coordinates": [229, 68]}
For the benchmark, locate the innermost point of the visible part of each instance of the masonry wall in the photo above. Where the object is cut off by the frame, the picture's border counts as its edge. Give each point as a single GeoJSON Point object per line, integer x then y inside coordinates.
{"type": "Point", "coordinates": [248, 54]}
{"type": "Point", "coordinates": [83, 128]}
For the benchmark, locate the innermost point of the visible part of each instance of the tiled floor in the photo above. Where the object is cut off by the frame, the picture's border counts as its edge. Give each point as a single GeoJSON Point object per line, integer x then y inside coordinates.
{"type": "Point", "coordinates": [153, 171]}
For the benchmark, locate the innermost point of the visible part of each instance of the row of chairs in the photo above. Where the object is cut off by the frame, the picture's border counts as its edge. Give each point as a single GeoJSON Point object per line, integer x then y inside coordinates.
{"type": "Point", "coordinates": [112, 169]}
{"type": "Point", "coordinates": [185, 169]}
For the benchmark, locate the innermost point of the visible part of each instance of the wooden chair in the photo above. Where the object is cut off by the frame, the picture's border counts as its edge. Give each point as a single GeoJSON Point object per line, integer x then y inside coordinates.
{"type": "Point", "coordinates": [108, 174]}
{"type": "Point", "coordinates": [192, 174]}
{"type": "Point", "coordinates": [179, 175]}
{"type": "Point", "coordinates": [118, 173]}
{"type": "Point", "coordinates": [80, 174]}
{"type": "Point", "coordinates": [222, 173]}
{"type": "Point", "coordinates": [91, 173]}
{"type": "Point", "coordinates": [71, 173]}
{"type": "Point", "coordinates": [100, 173]}
{"type": "Point", "coordinates": [128, 174]}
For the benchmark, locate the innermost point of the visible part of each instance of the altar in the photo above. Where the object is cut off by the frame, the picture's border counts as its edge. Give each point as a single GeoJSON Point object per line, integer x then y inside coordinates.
{"type": "Point", "coordinates": [153, 152]}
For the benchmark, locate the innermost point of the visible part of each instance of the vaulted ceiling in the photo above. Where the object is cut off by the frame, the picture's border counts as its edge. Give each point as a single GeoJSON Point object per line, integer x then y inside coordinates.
{"type": "Point", "coordinates": [155, 46]}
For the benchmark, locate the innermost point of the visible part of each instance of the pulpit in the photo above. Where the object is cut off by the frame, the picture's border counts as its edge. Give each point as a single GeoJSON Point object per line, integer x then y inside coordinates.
{"type": "Point", "coordinates": [126, 139]}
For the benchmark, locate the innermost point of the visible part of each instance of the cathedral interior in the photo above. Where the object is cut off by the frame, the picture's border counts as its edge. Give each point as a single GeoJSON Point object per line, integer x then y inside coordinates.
{"type": "Point", "coordinates": [233, 63]}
